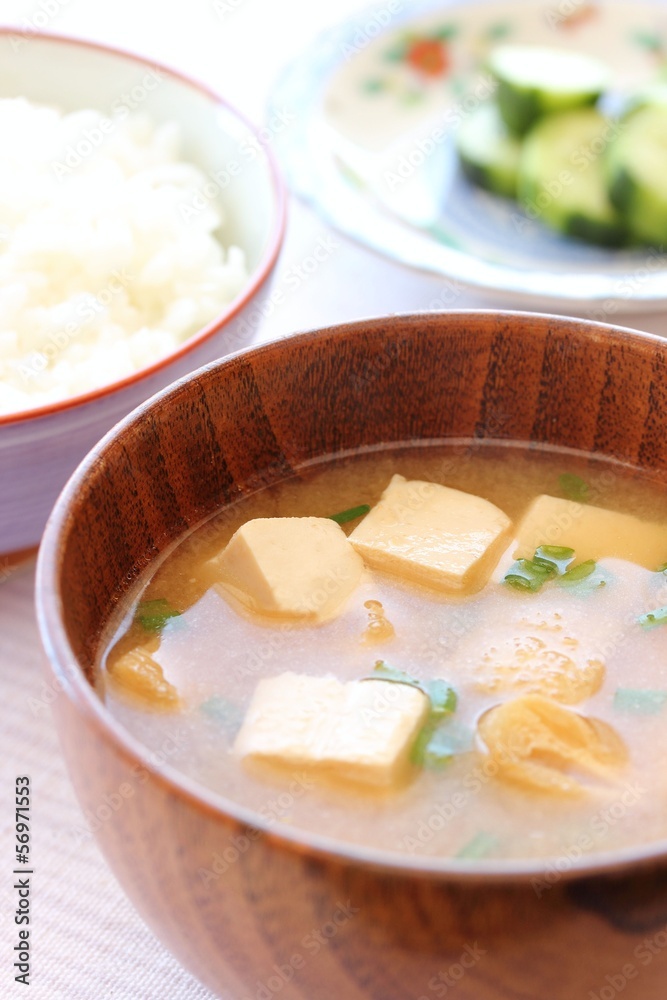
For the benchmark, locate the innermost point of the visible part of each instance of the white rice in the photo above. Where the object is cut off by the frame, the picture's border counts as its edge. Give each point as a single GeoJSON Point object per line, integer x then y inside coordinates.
{"type": "Point", "coordinates": [104, 265]}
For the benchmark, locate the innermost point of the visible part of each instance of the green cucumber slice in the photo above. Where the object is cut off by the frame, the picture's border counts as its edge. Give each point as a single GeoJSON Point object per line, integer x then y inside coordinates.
{"type": "Point", "coordinates": [637, 173]}
{"type": "Point", "coordinates": [563, 179]}
{"type": "Point", "coordinates": [488, 152]}
{"type": "Point", "coordinates": [535, 80]}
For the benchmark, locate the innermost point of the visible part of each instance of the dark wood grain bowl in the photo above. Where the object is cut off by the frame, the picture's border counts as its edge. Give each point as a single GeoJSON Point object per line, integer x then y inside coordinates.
{"type": "Point", "coordinates": [291, 915]}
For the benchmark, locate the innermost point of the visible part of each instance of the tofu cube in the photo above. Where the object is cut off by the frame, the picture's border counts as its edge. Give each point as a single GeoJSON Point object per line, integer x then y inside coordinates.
{"type": "Point", "coordinates": [360, 731]}
{"type": "Point", "coordinates": [294, 567]}
{"type": "Point", "coordinates": [432, 535]}
{"type": "Point", "coordinates": [593, 532]}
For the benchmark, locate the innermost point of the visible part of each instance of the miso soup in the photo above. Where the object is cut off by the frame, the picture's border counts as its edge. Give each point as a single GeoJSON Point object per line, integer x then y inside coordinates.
{"type": "Point", "coordinates": [439, 650]}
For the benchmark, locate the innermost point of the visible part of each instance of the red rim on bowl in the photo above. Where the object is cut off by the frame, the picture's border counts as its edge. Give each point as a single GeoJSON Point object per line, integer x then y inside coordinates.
{"type": "Point", "coordinates": [258, 278]}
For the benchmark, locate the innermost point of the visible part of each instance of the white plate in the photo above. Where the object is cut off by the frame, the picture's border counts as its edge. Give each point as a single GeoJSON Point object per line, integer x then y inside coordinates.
{"type": "Point", "coordinates": [375, 103]}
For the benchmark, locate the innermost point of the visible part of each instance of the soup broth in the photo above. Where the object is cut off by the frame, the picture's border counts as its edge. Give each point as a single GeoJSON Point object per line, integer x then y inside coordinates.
{"type": "Point", "coordinates": [566, 661]}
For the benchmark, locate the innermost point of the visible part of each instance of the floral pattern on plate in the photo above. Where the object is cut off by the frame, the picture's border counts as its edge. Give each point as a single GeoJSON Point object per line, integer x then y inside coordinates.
{"type": "Point", "coordinates": [377, 102]}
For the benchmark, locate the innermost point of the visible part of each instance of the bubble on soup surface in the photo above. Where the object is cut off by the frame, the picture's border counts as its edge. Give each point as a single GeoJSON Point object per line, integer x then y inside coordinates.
{"type": "Point", "coordinates": [379, 628]}
{"type": "Point", "coordinates": [536, 743]}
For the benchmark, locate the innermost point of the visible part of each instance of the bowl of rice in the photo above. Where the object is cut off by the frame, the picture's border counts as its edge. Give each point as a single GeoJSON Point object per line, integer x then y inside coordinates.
{"type": "Point", "coordinates": [140, 220]}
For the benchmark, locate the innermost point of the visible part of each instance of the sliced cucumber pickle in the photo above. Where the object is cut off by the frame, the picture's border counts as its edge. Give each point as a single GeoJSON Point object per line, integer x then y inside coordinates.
{"type": "Point", "coordinates": [637, 172]}
{"type": "Point", "coordinates": [489, 153]}
{"type": "Point", "coordinates": [535, 80]}
{"type": "Point", "coordinates": [563, 177]}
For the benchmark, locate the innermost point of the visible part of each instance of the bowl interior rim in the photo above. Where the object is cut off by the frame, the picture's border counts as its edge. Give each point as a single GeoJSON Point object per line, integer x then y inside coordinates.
{"type": "Point", "coordinates": [256, 279]}
{"type": "Point", "coordinates": [72, 683]}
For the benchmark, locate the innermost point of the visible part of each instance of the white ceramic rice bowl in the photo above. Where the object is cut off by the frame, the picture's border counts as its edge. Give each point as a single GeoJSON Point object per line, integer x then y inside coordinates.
{"type": "Point", "coordinates": [40, 448]}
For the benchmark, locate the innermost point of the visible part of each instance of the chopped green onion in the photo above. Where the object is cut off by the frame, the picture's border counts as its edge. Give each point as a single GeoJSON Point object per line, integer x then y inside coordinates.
{"type": "Point", "coordinates": [552, 562]}
{"type": "Point", "coordinates": [351, 514]}
{"type": "Point", "coordinates": [557, 557]}
{"type": "Point", "coordinates": [574, 487]}
{"type": "Point", "coordinates": [460, 738]}
{"type": "Point", "coordinates": [443, 697]}
{"type": "Point", "coordinates": [653, 618]}
{"type": "Point", "coordinates": [480, 846]}
{"type": "Point", "coordinates": [439, 741]}
{"type": "Point", "coordinates": [662, 568]}
{"type": "Point", "coordinates": [644, 702]}
{"type": "Point", "coordinates": [525, 574]}
{"type": "Point", "coordinates": [436, 743]}
{"type": "Point", "coordinates": [222, 710]}
{"type": "Point", "coordinates": [428, 751]}
{"type": "Point", "coordinates": [384, 672]}
{"type": "Point", "coordinates": [578, 572]}
{"type": "Point", "coordinates": [153, 615]}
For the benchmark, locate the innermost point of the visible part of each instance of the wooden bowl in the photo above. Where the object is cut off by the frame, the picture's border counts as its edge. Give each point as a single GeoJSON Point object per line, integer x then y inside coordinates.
{"type": "Point", "coordinates": [261, 912]}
